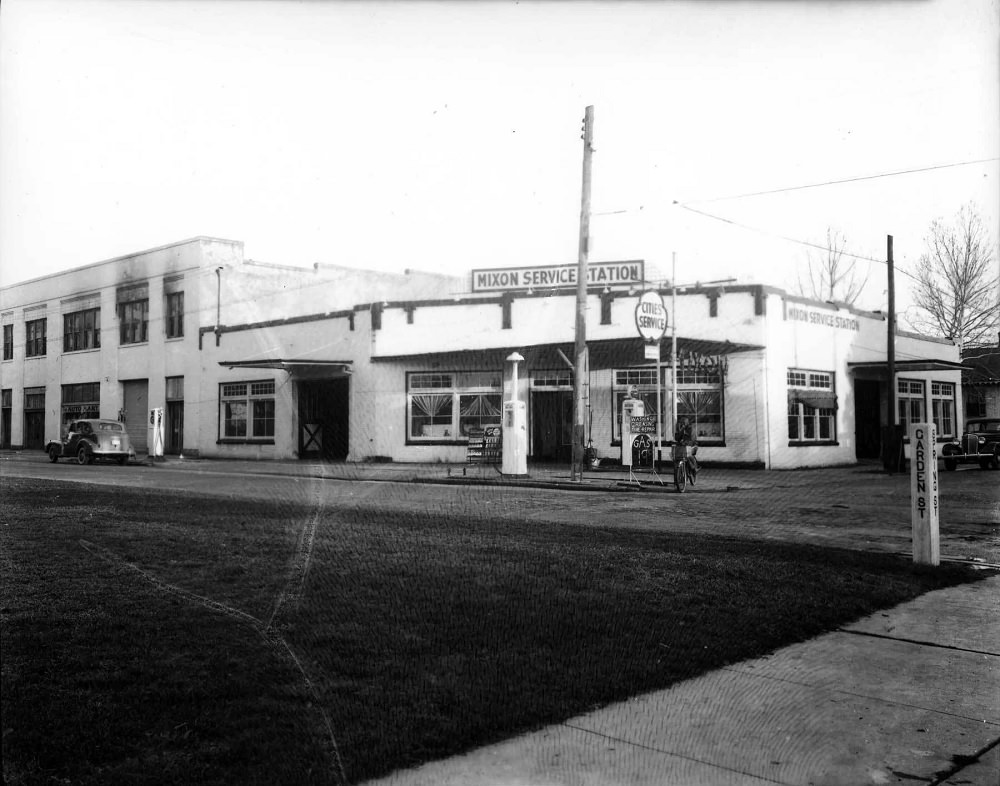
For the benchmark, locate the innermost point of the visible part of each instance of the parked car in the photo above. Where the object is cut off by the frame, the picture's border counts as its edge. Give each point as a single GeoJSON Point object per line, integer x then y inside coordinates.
{"type": "Point", "coordinates": [980, 444]}
{"type": "Point", "coordinates": [87, 440]}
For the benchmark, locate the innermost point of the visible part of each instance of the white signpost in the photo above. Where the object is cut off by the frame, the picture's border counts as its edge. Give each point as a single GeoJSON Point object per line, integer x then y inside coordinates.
{"type": "Point", "coordinates": [925, 512]}
{"type": "Point", "coordinates": [651, 322]}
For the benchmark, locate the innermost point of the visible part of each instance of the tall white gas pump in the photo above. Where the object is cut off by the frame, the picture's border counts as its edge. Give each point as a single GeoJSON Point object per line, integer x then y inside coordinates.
{"type": "Point", "coordinates": [155, 436]}
{"type": "Point", "coordinates": [514, 460]}
{"type": "Point", "coordinates": [631, 408]}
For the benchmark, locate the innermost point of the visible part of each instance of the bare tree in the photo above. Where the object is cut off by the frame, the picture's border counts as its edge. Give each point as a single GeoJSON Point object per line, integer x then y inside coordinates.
{"type": "Point", "coordinates": [831, 277]}
{"type": "Point", "coordinates": [956, 284]}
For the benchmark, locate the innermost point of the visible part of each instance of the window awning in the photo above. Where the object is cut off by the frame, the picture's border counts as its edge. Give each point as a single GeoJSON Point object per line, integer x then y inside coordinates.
{"type": "Point", "coordinates": [879, 369]}
{"type": "Point", "coordinates": [302, 369]}
{"type": "Point", "coordinates": [604, 353]}
{"type": "Point", "coordinates": [818, 399]}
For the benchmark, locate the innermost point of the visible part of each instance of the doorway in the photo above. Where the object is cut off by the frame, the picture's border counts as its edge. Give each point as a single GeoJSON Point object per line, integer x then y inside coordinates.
{"type": "Point", "coordinates": [324, 415]}
{"type": "Point", "coordinates": [135, 397]}
{"type": "Point", "coordinates": [867, 419]}
{"type": "Point", "coordinates": [551, 425]}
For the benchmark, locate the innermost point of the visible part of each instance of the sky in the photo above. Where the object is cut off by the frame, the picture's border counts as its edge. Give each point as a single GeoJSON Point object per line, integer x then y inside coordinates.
{"type": "Point", "coordinates": [445, 136]}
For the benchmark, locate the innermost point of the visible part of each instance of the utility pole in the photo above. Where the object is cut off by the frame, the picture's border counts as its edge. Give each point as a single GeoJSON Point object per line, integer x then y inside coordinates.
{"type": "Point", "coordinates": [581, 366]}
{"type": "Point", "coordinates": [891, 448]}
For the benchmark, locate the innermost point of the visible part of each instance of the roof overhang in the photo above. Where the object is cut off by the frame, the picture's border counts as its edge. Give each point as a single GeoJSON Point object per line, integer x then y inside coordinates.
{"type": "Point", "coordinates": [879, 369]}
{"type": "Point", "coordinates": [301, 369]}
{"type": "Point", "coordinates": [604, 353]}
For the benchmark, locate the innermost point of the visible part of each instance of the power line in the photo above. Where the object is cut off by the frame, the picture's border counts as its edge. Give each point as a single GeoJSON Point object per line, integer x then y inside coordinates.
{"type": "Point", "coordinates": [839, 182]}
{"type": "Point", "coordinates": [789, 239]}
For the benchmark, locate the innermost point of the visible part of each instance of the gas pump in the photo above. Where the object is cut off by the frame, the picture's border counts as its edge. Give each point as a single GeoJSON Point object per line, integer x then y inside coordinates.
{"type": "Point", "coordinates": [155, 439]}
{"type": "Point", "coordinates": [514, 460]}
{"type": "Point", "coordinates": [631, 408]}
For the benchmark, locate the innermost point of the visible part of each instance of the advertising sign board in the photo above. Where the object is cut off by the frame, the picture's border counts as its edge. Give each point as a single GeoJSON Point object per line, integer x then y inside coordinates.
{"type": "Point", "coordinates": [651, 316]}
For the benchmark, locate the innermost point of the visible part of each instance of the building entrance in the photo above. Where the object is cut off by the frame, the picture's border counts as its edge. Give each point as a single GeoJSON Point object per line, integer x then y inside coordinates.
{"type": "Point", "coordinates": [135, 396]}
{"type": "Point", "coordinates": [324, 415]}
{"type": "Point", "coordinates": [551, 425]}
{"type": "Point", "coordinates": [867, 420]}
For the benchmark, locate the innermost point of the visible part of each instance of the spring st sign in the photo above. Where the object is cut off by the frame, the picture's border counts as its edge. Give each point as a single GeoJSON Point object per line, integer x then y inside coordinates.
{"type": "Point", "coordinates": [651, 316]}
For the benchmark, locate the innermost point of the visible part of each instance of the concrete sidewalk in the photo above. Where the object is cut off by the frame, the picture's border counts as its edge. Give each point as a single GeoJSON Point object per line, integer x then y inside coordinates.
{"type": "Point", "coordinates": [908, 695]}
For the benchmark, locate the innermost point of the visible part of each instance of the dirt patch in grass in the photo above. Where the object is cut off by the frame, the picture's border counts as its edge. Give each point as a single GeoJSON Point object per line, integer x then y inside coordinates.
{"type": "Point", "coordinates": [157, 638]}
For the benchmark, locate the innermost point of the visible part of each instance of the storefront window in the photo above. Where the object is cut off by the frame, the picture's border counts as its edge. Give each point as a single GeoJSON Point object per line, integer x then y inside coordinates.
{"type": "Point", "coordinates": [910, 403]}
{"type": "Point", "coordinates": [812, 406]}
{"type": "Point", "coordinates": [79, 401]}
{"type": "Point", "coordinates": [943, 408]}
{"type": "Point", "coordinates": [699, 397]}
{"type": "Point", "coordinates": [447, 406]}
{"type": "Point", "coordinates": [247, 411]}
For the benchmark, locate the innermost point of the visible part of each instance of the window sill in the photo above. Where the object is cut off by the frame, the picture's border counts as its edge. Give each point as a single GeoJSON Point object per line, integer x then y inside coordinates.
{"type": "Point", "coordinates": [35, 357]}
{"type": "Point", "coordinates": [816, 443]}
{"type": "Point", "coordinates": [133, 344]}
{"type": "Point", "coordinates": [453, 441]}
{"type": "Point", "coordinates": [242, 441]}
{"type": "Point", "coordinates": [81, 351]}
{"type": "Point", "coordinates": [173, 338]}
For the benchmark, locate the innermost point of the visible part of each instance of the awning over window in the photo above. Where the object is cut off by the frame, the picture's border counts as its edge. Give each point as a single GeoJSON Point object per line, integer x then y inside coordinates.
{"type": "Point", "coordinates": [604, 353]}
{"type": "Point", "coordinates": [818, 399]}
{"type": "Point", "coordinates": [879, 369]}
{"type": "Point", "coordinates": [300, 369]}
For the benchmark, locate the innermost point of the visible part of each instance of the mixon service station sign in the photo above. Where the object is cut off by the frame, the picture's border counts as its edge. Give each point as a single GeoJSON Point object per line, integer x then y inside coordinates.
{"type": "Point", "coordinates": [508, 279]}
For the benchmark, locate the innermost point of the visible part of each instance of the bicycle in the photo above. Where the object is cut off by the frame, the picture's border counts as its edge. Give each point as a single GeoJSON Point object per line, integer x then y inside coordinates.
{"type": "Point", "coordinates": [684, 470]}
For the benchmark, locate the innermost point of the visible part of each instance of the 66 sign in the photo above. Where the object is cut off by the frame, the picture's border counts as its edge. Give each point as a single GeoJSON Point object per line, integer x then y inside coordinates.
{"type": "Point", "coordinates": [651, 316]}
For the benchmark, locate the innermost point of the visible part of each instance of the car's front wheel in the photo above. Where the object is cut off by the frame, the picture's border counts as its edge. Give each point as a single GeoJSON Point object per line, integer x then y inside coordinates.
{"type": "Point", "coordinates": [995, 461]}
{"type": "Point", "coordinates": [53, 454]}
{"type": "Point", "coordinates": [84, 456]}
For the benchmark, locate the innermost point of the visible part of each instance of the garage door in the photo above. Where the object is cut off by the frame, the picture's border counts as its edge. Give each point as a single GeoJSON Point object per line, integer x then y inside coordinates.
{"type": "Point", "coordinates": [136, 395]}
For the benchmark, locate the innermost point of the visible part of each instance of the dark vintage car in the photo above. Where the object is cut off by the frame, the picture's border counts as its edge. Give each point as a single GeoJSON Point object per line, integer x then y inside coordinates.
{"type": "Point", "coordinates": [87, 440]}
{"type": "Point", "coordinates": [980, 444]}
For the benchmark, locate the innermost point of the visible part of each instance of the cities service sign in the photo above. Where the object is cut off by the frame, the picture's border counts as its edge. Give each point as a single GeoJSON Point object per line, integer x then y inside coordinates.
{"type": "Point", "coordinates": [651, 316]}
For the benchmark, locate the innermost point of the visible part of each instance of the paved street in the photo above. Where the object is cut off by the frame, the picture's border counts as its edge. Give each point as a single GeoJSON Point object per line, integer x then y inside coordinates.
{"type": "Point", "coordinates": [858, 507]}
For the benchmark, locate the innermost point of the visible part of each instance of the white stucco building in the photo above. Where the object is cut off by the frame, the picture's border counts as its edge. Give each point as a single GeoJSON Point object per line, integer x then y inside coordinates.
{"type": "Point", "coordinates": [272, 362]}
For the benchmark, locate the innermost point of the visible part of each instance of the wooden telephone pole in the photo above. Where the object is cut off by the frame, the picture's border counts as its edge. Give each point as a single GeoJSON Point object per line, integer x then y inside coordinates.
{"type": "Point", "coordinates": [581, 370]}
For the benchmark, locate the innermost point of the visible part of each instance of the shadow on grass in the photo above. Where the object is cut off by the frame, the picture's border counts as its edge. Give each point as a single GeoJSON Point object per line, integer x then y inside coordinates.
{"type": "Point", "coordinates": [424, 635]}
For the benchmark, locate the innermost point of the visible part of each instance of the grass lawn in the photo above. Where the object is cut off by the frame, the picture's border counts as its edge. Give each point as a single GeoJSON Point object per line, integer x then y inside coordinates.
{"type": "Point", "coordinates": [155, 638]}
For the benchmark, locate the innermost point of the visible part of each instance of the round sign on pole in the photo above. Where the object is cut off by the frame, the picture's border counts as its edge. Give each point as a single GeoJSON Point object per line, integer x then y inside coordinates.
{"type": "Point", "coordinates": [651, 316]}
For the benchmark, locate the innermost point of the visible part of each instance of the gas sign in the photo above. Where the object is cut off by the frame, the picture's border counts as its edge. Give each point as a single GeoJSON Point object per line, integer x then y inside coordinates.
{"type": "Point", "coordinates": [651, 316]}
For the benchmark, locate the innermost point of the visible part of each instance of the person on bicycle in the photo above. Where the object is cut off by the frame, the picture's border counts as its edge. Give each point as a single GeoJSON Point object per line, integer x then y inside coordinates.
{"type": "Point", "coordinates": [683, 435]}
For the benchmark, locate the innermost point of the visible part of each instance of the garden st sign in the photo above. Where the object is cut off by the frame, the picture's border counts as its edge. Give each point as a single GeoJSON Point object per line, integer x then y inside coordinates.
{"type": "Point", "coordinates": [651, 317]}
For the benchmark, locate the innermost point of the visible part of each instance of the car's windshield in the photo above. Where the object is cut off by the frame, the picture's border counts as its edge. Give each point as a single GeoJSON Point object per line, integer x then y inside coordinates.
{"type": "Point", "coordinates": [982, 427]}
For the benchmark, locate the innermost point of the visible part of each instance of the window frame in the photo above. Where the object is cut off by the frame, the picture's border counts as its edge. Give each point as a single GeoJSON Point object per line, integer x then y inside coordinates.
{"type": "Point", "coordinates": [77, 336]}
{"type": "Point", "coordinates": [257, 395]}
{"type": "Point", "coordinates": [79, 401]}
{"type": "Point", "coordinates": [905, 399]}
{"type": "Point", "coordinates": [133, 328]}
{"type": "Point", "coordinates": [450, 387]}
{"type": "Point", "coordinates": [694, 381]}
{"type": "Point", "coordinates": [809, 425]}
{"type": "Point", "coordinates": [35, 345]}
{"type": "Point", "coordinates": [938, 400]}
{"type": "Point", "coordinates": [174, 313]}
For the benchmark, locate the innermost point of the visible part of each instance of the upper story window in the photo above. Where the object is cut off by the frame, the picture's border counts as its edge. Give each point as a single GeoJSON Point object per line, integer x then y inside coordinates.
{"type": "Point", "coordinates": [8, 342]}
{"type": "Point", "coordinates": [134, 321]}
{"type": "Point", "coordinates": [175, 315]}
{"type": "Point", "coordinates": [34, 345]}
{"type": "Point", "coordinates": [82, 330]}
